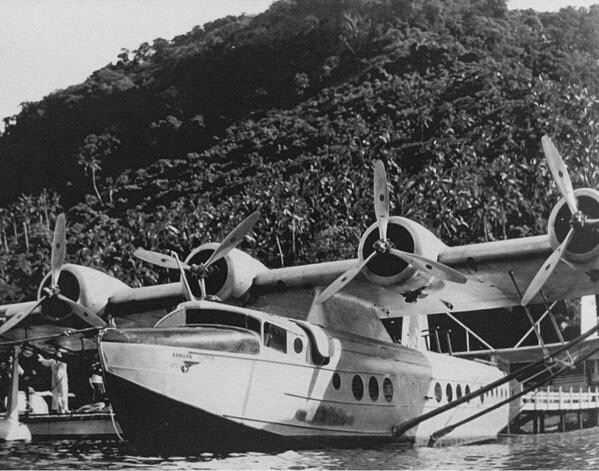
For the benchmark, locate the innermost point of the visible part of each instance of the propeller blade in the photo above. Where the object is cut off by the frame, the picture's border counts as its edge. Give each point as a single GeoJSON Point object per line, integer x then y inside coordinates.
{"type": "Point", "coordinates": [545, 271]}
{"type": "Point", "coordinates": [158, 259]}
{"type": "Point", "coordinates": [426, 265]}
{"type": "Point", "coordinates": [233, 239]}
{"type": "Point", "coordinates": [190, 295]}
{"type": "Point", "coordinates": [14, 320]}
{"type": "Point", "coordinates": [381, 198]}
{"type": "Point", "coordinates": [560, 173]}
{"type": "Point", "coordinates": [343, 280]}
{"type": "Point", "coordinates": [591, 222]}
{"type": "Point", "coordinates": [58, 248]}
{"type": "Point", "coordinates": [82, 312]}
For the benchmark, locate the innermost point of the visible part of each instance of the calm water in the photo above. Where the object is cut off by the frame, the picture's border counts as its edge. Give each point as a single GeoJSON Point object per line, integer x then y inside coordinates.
{"type": "Point", "coordinates": [562, 451]}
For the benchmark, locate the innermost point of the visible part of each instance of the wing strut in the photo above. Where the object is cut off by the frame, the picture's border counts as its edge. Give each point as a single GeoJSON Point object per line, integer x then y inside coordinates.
{"type": "Point", "coordinates": [530, 319]}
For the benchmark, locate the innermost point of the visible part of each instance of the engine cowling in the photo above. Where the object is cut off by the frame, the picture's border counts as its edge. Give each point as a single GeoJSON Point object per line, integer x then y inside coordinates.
{"type": "Point", "coordinates": [584, 245]}
{"type": "Point", "coordinates": [405, 235]}
{"type": "Point", "coordinates": [87, 286]}
{"type": "Point", "coordinates": [231, 276]}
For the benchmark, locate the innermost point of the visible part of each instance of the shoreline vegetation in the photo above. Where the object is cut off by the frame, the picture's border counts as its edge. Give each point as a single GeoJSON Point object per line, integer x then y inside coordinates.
{"type": "Point", "coordinates": [174, 143]}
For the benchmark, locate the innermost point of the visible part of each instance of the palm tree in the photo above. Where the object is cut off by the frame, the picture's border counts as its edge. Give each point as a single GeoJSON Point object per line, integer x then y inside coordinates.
{"type": "Point", "coordinates": [91, 153]}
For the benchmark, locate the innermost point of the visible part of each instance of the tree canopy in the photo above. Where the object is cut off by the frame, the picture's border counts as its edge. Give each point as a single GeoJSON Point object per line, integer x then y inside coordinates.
{"type": "Point", "coordinates": [286, 112]}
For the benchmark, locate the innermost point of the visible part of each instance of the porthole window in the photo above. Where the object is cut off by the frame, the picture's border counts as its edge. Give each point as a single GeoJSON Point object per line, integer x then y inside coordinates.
{"type": "Point", "coordinates": [373, 388]}
{"type": "Point", "coordinates": [467, 391]}
{"type": "Point", "coordinates": [438, 392]}
{"type": "Point", "coordinates": [458, 391]}
{"type": "Point", "coordinates": [449, 392]}
{"type": "Point", "coordinates": [298, 345]}
{"type": "Point", "coordinates": [357, 387]}
{"type": "Point", "coordinates": [388, 389]}
{"type": "Point", "coordinates": [482, 398]}
{"type": "Point", "coordinates": [336, 381]}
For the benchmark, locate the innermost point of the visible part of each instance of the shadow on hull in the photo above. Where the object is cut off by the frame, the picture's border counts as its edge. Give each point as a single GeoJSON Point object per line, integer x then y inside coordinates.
{"type": "Point", "coordinates": [158, 426]}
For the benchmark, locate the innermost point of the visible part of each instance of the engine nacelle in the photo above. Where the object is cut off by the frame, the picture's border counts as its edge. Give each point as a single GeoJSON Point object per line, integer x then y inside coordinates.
{"type": "Point", "coordinates": [232, 275]}
{"type": "Point", "coordinates": [584, 245]}
{"type": "Point", "coordinates": [405, 235]}
{"type": "Point", "coordinates": [87, 286]}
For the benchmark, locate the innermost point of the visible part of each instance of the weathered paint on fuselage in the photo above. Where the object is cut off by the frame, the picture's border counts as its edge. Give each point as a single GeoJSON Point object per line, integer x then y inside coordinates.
{"type": "Point", "coordinates": [366, 388]}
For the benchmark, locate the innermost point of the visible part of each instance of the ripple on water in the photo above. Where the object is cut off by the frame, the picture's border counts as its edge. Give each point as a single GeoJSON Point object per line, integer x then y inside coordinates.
{"type": "Point", "coordinates": [555, 451]}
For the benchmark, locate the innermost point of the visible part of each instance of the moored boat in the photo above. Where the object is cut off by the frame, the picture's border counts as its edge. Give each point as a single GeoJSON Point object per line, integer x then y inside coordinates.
{"type": "Point", "coordinates": [211, 376]}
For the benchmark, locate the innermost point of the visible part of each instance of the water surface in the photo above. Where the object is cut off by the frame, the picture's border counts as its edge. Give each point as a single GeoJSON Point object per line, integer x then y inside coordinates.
{"type": "Point", "coordinates": [553, 451]}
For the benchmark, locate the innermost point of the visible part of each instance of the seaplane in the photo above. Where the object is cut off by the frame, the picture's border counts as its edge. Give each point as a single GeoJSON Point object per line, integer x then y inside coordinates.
{"type": "Point", "coordinates": [254, 357]}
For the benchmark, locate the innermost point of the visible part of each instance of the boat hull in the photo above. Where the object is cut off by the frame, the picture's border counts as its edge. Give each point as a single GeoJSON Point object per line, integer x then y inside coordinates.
{"type": "Point", "coordinates": [181, 390]}
{"type": "Point", "coordinates": [157, 424]}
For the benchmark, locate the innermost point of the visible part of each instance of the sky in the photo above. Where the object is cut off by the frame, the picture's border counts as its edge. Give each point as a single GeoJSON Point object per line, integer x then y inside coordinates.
{"type": "Point", "coordinates": [47, 45]}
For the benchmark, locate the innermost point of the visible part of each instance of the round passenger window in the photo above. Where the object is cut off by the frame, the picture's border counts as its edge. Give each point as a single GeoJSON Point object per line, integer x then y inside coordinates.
{"type": "Point", "coordinates": [482, 398]}
{"type": "Point", "coordinates": [438, 392]}
{"type": "Point", "coordinates": [373, 388]}
{"type": "Point", "coordinates": [388, 389]}
{"type": "Point", "coordinates": [449, 392]}
{"type": "Point", "coordinates": [298, 345]}
{"type": "Point", "coordinates": [336, 381]}
{"type": "Point", "coordinates": [357, 387]}
{"type": "Point", "coordinates": [467, 391]}
{"type": "Point", "coordinates": [458, 391]}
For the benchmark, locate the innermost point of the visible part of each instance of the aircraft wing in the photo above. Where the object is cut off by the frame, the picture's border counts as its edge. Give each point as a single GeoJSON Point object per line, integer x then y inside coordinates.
{"type": "Point", "coordinates": [132, 300]}
{"type": "Point", "coordinates": [498, 273]}
{"type": "Point", "coordinates": [529, 353]}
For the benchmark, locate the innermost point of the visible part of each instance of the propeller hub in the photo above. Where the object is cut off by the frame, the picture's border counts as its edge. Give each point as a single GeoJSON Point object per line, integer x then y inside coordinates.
{"type": "Point", "coordinates": [382, 246]}
{"type": "Point", "coordinates": [52, 291]}
{"type": "Point", "coordinates": [200, 270]}
{"type": "Point", "coordinates": [578, 220]}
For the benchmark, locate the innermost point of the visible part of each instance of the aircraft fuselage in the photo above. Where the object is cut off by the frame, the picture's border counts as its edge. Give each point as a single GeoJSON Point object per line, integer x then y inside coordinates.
{"type": "Point", "coordinates": [190, 381]}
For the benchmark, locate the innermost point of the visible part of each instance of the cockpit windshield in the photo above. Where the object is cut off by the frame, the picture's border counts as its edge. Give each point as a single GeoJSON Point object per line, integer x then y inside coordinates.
{"type": "Point", "coordinates": [218, 317]}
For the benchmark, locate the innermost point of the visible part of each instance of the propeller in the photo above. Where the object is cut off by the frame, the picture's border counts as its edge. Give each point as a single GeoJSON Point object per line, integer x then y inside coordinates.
{"type": "Point", "coordinates": [384, 246]}
{"type": "Point", "coordinates": [17, 318]}
{"type": "Point", "coordinates": [82, 312]}
{"type": "Point", "coordinates": [343, 280]}
{"type": "Point", "coordinates": [578, 220]}
{"type": "Point", "coordinates": [181, 268]}
{"type": "Point", "coordinates": [58, 249]}
{"type": "Point", "coordinates": [546, 270]}
{"type": "Point", "coordinates": [201, 270]}
{"type": "Point", "coordinates": [381, 198]}
{"type": "Point", "coordinates": [53, 291]}
{"type": "Point", "coordinates": [159, 259]}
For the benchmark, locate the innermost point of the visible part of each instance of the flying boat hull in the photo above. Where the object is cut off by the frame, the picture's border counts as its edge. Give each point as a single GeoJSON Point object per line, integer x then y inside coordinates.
{"type": "Point", "coordinates": [207, 389]}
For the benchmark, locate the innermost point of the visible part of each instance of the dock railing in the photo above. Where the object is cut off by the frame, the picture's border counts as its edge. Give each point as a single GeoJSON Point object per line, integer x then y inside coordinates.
{"type": "Point", "coordinates": [559, 398]}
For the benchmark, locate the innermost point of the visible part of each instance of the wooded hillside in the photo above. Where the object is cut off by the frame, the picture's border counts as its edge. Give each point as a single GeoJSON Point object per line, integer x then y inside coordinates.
{"type": "Point", "coordinates": [285, 112]}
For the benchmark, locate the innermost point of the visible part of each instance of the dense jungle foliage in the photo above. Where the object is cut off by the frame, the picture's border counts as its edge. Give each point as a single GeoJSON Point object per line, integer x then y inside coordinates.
{"type": "Point", "coordinates": [177, 141]}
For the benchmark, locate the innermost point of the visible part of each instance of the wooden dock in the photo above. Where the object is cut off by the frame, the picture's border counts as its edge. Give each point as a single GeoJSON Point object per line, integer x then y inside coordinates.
{"type": "Point", "coordinates": [100, 425]}
{"type": "Point", "coordinates": [557, 410]}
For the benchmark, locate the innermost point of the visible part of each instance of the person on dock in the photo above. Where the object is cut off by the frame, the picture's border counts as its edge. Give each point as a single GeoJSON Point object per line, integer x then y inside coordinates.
{"type": "Point", "coordinates": [4, 384]}
{"type": "Point", "coordinates": [97, 382]}
{"type": "Point", "coordinates": [60, 382]}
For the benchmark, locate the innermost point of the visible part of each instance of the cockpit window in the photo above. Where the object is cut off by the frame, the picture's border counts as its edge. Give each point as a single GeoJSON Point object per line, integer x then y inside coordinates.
{"type": "Point", "coordinates": [218, 317]}
{"type": "Point", "coordinates": [275, 337]}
